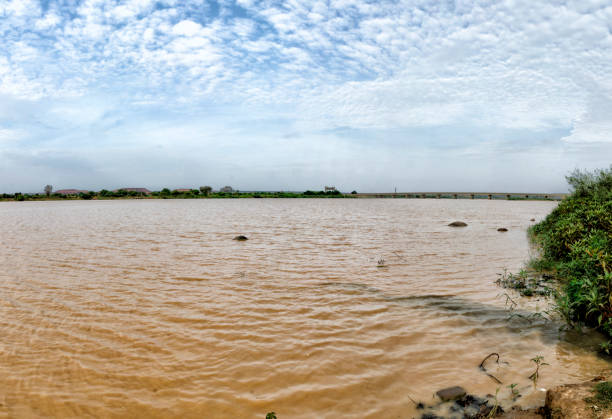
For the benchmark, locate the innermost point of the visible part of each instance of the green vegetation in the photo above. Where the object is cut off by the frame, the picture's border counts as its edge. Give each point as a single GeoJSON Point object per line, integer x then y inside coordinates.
{"type": "Point", "coordinates": [493, 411]}
{"type": "Point", "coordinates": [515, 392]}
{"type": "Point", "coordinates": [202, 192]}
{"type": "Point", "coordinates": [271, 415]}
{"type": "Point", "coordinates": [603, 395]}
{"type": "Point", "coordinates": [539, 361]}
{"type": "Point", "coordinates": [576, 246]}
{"type": "Point", "coordinates": [526, 283]}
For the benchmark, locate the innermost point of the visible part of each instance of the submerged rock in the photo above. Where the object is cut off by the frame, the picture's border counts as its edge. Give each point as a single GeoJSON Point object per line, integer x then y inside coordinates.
{"type": "Point", "coordinates": [457, 224]}
{"type": "Point", "coordinates": [533, 219]}
{"type": "Point", "coordinates": [502, 229]}
{"type": "Point", "coordinates": [240, 238]}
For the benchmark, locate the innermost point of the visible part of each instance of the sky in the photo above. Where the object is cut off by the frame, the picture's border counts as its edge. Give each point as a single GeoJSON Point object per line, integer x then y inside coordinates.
{"type": "Point", "coordinates": [418, 95]}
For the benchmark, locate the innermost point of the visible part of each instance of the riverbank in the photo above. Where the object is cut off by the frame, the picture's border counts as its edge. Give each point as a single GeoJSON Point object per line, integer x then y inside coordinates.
{"type": "Point", "coordinates": [575, 250]}
{"type": "Point", "coordinates": [591, 399]}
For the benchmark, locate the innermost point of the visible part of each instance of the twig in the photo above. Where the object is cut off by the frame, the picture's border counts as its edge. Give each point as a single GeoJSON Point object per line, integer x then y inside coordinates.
{"type": "Point", "coordinates": [482, 367]}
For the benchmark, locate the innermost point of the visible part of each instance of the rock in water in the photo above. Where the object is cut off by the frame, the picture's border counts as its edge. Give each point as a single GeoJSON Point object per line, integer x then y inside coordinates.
{"type": "Point", "coordinates": [451, 393]}
{"type": "Point", "coordinates": [241, 238]}
{"type": "Point", "coordinates": [502, 229]}
{"type": "Point", "coordinates": [457, 224]}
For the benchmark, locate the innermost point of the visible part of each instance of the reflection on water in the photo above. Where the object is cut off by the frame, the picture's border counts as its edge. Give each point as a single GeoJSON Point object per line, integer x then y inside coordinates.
{"type": "Point", "coordinates": [150, 309]}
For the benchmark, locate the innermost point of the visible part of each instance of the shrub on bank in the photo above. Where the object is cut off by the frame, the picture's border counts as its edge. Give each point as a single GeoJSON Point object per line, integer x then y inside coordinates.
{"type": "Point", "coordinates": [576, 242]}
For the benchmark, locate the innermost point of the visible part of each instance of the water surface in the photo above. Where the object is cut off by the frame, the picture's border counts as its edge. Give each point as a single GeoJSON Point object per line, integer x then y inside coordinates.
{"type": "Point", "coordinates": [148, 308]}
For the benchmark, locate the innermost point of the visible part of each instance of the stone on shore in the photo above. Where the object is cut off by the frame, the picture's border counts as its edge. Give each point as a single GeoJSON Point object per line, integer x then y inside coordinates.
{"type": "Point", "coordinates": [502, 229]}
{"type": "Point", "coordinates": [457, 224]}
{"type": "Point", "coordinates": [241, 238]}
{"type": "Point", "coordinates": [451, 393]}
{"type": "Point", "coordinates": [518, 413]}
{"type": "Point", "coordinates": [455, 403]}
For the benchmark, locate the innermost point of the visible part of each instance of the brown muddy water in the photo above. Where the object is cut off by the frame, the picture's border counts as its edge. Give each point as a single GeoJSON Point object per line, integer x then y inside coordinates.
{"type": "Point", "coordinates": [150, 309]}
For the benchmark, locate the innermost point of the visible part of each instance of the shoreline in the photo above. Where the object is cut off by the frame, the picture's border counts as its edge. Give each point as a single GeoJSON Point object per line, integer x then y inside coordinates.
{"type": "Point", "coordinates": [287, 195]}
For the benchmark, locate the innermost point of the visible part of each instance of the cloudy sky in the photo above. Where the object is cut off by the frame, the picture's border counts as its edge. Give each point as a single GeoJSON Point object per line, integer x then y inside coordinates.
{"type": "Point", "coordinates": [291, 95]}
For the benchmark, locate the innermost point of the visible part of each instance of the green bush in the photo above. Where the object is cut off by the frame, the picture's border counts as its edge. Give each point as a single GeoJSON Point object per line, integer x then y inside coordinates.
{"type": "Point", "coordinates": [576, 242]}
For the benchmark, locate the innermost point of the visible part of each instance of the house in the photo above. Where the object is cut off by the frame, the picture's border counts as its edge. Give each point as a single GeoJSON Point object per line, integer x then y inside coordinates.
{"type": "Point", "coordinates": [226, 189]}
{"type": "Point", "coordinates": [183, 190]}
{"type": "Point", "coordinates": [330, 189]}
{"type": "Point", "coordinates": [71, 191]}
{"type": "Point", "coordinates": [143, 191]}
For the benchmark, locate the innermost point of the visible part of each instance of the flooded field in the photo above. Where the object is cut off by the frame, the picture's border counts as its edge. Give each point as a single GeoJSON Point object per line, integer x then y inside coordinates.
{"type": "Point", "coordinates": [148, 308]}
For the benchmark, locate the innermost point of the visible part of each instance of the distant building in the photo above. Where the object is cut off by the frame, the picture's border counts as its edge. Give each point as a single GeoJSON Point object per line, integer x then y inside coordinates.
{"type": "Point", "coordinates": [183, 190]}
{"type": "Point", "coordinates": [143, 191]}
{"type": "Point", "coordinates": [330, 189]}
{"type": "Point", "coordinates": [71, 191]}
{"type": "Point", "coordinates": [226, 189]}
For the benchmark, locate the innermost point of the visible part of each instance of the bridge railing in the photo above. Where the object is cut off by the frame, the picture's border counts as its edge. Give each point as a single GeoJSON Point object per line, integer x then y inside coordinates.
{"type": "Point", "coordinates": [465, 195]}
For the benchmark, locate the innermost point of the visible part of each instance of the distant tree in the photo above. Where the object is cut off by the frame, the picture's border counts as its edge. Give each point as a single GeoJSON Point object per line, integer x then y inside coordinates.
{"type": "Point", "coordinates": [48, 189]}
{"type": "Point", "coordinates": [195, 191]}
{"type": "Point", "coordinates": [206, 190]}
{"type": "Point", "coordinates": [227, 189]}
{"type": "Point", "coordinates": [165, 191]}
{"type": "Point", "coordinates": [354, 193]}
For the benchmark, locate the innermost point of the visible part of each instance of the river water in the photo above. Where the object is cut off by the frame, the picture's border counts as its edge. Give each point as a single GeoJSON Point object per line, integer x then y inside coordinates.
{"type": "Point", "coordinates": [148, 308]}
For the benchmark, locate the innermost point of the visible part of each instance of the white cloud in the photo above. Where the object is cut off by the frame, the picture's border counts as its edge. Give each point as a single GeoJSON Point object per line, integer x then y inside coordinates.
{"type": "Point", "coordinates": [187, 28]}
{"type": "Point", "coordinates": [7, 134]}
{"type": "Point", "coordinates": [49, 21]}
{"type": "Point", "coordinates": [595, 124]}
{"type": "Point", "coordinates": [507, 65]}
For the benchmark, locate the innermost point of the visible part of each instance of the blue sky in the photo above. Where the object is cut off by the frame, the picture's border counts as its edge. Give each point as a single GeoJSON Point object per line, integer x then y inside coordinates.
{"type": "Point", "coordinates": [293, 95]}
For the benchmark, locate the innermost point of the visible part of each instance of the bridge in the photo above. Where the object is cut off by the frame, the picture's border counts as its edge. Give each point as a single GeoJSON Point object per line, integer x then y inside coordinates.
{"type": "Point", "coordinates": [465, 195]}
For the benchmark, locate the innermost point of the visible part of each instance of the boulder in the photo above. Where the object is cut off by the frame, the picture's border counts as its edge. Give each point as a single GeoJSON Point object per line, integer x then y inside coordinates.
{"type": "Point", "coordinates": [533, 219]}
{"type": "Point", "coordinates": [502, 229]}
{"type": "Point", "coordinates": [457, 224]}
{"type": "Point", "coordinates": [241, 238]}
